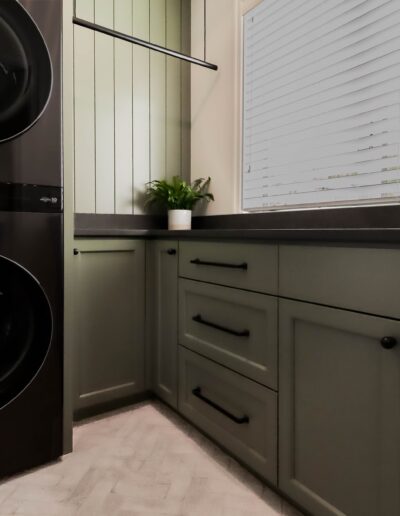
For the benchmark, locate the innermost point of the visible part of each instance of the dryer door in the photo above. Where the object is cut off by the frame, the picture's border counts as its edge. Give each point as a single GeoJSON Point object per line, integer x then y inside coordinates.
{"type": "Point", "coordinates": [25, 329]}
{"type": "Point", "coordinates": [25, 71]}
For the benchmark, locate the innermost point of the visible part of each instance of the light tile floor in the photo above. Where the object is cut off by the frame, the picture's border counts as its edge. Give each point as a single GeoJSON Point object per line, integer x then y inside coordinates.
{"type": "Point", "coordinates": [141, 461]}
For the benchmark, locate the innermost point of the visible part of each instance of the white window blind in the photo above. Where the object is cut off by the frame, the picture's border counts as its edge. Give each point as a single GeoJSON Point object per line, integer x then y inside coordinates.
{"type": "Point", "coordinates": [321, 106]}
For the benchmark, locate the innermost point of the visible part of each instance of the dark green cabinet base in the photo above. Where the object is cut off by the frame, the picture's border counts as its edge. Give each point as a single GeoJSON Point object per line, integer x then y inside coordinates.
{"type": "Point", "coordinates": [248, 364]}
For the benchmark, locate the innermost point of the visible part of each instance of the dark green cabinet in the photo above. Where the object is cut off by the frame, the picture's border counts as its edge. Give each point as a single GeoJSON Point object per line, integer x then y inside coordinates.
{"type": "Point", "coordinates": [163, 318]}
{"type": "Point", "coordinates": [336, 415]}
{"type": "Point", "coordinates": [339, 411]}
{"type": "Point", "coordinates": [109, 315]}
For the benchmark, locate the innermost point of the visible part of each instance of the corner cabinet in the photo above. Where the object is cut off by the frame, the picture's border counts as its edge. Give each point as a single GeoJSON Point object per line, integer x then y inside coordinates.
{"type": "Point", "coordinates": [339, 408]}
{"type": "Point", "coordinates": [163, 318]}
{"type": "Point", "coordinates": [109, 292]}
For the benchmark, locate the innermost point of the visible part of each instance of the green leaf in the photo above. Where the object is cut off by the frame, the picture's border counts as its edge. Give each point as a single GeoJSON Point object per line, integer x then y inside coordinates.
{"type": "Point", "coordinates": [177, 194]}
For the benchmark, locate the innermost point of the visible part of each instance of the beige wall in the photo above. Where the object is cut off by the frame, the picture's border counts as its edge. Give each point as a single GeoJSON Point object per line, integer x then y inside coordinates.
{"type": "Point", "coordinates": [216, 100]}
{"type": "Point", "coordinates": [128, 104]}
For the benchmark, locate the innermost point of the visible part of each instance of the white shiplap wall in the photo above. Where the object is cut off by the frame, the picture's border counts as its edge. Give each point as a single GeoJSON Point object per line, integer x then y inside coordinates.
{"type": "Point", "coordinates": [131, 105]}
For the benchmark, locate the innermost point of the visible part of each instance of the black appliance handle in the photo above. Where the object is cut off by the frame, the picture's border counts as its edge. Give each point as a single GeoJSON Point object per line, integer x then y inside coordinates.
{"type": "Point", "coordinates": [242, 266]}
{"type": "Point", "coordinates": [198, 318]}
{"type": "Point", "coordinates": [238, 420]}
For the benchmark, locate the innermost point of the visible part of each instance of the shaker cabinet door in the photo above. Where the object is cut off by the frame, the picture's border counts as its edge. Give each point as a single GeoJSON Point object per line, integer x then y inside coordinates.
{"type": "Point", "coordinates": [109, 313]}
{"type": "Point", "coordinates": [339, 411]}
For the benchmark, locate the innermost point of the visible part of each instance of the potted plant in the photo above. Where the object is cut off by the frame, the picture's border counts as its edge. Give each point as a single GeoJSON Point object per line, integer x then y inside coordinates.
{"type": "Point", "coordinates": [179, 198]}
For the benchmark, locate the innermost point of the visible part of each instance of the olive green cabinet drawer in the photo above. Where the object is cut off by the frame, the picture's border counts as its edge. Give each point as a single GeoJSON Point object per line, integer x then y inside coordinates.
{"type": "Point", "coordinates": [236, 412]}
{"type": "Point", "coordinates": [240, 265]}
{"type": "Point", "coordinates": [234, 327]}
{"type": "Point", "coordinates": [364, 279]}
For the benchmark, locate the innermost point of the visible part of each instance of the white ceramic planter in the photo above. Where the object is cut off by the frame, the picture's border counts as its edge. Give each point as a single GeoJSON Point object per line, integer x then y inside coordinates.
{"type": "Point", "coordinates": [179, 219]}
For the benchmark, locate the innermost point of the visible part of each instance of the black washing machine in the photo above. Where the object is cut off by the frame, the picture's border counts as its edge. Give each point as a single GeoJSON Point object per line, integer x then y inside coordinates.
{"type": "Point", "coordinates": [30, 86]}
{"type": "Point", "coordinates": [31, 250]}
{"type": "Point", "coordinates": [31, 329]}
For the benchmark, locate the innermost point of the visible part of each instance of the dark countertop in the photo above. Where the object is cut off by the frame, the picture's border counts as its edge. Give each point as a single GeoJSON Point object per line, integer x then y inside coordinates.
{"type": "Point", "coordinates": [327, 235]}
{"type": "Point", "coordinates": [379, 224]}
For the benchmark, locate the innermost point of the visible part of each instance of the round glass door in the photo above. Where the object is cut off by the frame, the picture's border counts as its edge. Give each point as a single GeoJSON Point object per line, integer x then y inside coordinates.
{"type": "Point", "coordinates": [25, 71]}
{"type": "Point", "coordinates": [25, 329]}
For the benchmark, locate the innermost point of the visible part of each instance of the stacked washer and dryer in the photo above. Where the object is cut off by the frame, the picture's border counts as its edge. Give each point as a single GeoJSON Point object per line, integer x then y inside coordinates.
{"type": "Point", "coordinates": [31, 253]}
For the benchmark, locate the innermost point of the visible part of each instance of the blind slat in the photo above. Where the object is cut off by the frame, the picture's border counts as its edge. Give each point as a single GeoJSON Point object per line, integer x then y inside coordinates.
{"type": "Point", "coordinates": [305, 119]}
{"type": "Point", "coordinates": [357, 167]}
{"type": "Point", "coordinates": [352, 67]}
{"type": "Point", "coordinates": [365, 133]}
{"type": "Point", "coordinates": [350, 180]}
{"type": "Point", "coordinates": [290, 48]}
{"type": "Point", "coordinates": [284, 135]}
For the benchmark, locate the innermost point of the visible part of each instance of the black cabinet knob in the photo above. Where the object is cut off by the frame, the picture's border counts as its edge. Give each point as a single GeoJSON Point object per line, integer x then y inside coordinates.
{"type": "Point", "coordinates": [76, 252]}
{"type": "Point", "coordinates": [171, 251]}
{"type": "Point", "coordinates": [388, 342]}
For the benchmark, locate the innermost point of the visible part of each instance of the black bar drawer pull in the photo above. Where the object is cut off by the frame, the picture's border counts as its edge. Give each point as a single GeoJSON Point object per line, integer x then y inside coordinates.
{"type": "Point", "coordinates": [238, 420]}
{"type": "Point", "coordinates": [198, 318]}
{"type": "Point", "coordinates": [242, 266]}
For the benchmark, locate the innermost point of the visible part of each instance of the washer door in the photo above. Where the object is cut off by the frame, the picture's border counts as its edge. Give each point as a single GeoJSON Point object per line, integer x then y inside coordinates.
{"type": "Point", "coordinates": [25, 329]}
{"type": "Point", "coordinates": [25, 71]}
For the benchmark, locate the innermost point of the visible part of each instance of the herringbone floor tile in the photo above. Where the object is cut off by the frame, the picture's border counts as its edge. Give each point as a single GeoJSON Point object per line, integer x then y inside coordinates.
{"type": "Point", "coordinates": [142, 461]}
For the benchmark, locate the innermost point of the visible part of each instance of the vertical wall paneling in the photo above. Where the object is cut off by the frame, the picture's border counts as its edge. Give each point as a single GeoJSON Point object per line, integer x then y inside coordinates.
{"type": "Point", "coordinates": [157, 91]}
{"type": "Point", "coordinates": [132, 106]}
{"type": "Point", "coordinates": [173, 90]}
{"type": "Point", "coordinates": [198, 28]}
{"type": "Point", "coordinates": [185, 89]}
{"type": "Point", "coordinates": [85, 162]}
{"type": "Point", "coordinates": [123, 21]}
{"type": "Point", "coordinates": [104, 97]}
{"type": "Point", "coordinates": [141, 102]}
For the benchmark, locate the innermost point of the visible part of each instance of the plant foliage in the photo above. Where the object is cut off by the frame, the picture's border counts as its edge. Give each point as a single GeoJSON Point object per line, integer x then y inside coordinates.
{"type": "Point", "coordinates": [178, 194]}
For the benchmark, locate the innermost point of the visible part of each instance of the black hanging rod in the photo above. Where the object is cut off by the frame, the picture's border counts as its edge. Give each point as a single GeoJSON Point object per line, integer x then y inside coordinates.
{"type": "Point", "coordinates": [142, 43]}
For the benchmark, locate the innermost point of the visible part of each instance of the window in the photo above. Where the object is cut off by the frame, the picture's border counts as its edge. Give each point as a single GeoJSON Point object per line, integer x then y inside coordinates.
{"type": "Point", "coordinates": [321, 106]}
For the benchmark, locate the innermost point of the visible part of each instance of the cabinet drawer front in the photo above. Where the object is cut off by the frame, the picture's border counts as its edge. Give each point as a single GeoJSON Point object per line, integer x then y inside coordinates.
{"type": "Point", "coordinates": [362, 279]}
{"type": "Point", "coordinates": [246, 266]}
{"type": "Point", "coordinates": [236, 328]}
{"type": "Point", "coordinates": [238, 413]}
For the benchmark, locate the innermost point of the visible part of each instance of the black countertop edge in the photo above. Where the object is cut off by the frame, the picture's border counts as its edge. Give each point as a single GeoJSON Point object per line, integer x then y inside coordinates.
{"type": "Point", "coordinates": [359, 224]}
{"type": "Point", "coordinates": [90, 221]}
{"type": "Point", "coordinates": [355, 218]}
{"type": "Point", "coordinates": [314, 235]}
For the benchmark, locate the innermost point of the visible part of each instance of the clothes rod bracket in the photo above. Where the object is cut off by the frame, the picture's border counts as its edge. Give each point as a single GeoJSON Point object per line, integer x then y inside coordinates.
{"type": "Point", "coordinates": [142, 43]}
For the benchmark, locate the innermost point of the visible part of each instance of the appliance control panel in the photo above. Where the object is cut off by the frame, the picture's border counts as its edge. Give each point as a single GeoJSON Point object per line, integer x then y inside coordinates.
{"type": "Point", "coordinates": [33, 198]}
